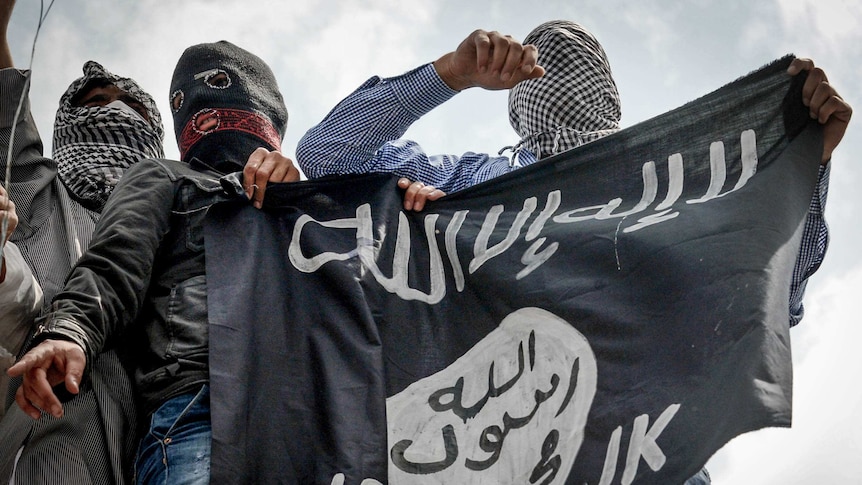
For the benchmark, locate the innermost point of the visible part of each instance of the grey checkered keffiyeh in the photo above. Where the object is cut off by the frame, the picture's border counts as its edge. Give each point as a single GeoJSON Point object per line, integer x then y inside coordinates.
{"type": "Point", "coordinates": [92, 146]}
{"type": "Point", "coordinates": [575, 102]}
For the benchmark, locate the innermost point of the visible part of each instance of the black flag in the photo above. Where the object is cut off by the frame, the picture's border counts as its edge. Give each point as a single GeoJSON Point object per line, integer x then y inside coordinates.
{"type": "Point", "coordinates": [614, 314]}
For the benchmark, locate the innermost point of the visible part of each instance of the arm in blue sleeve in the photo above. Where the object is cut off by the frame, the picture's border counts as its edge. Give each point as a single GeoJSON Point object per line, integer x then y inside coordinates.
{"type": "Point", "coordinates": [815, 239]}
{"type": "Point", "coordinates": [362, 134]}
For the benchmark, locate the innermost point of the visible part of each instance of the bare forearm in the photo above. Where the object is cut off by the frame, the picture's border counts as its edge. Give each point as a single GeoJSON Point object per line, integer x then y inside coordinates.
{"type": "Point", "coordinates": [5, 53]}
{"type": "Point", "coordinates": [6, 7]}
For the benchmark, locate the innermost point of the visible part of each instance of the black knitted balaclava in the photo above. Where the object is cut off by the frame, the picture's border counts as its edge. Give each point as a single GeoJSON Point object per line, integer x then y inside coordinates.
{"type": "Point", "coordinates": [225, 103]}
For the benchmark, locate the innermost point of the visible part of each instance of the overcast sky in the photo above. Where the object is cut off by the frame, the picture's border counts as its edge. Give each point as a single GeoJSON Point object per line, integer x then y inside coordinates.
{"type": "Point", "coordinates": [663, 54]}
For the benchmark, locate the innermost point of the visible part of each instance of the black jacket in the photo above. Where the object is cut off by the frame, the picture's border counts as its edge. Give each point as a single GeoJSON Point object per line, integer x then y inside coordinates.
{"type": "Point", "coordinates": [142, 281]}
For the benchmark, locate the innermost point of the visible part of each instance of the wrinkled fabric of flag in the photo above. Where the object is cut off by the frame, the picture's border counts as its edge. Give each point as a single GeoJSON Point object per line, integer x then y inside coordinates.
{"type": "Point", "coordinates": [613, 314]}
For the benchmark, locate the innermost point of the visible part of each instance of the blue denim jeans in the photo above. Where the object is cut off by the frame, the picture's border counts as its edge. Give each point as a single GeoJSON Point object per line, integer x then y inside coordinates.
{"type": "Point", "coordinates": [701, 478]}
{"type": "Point", "coordinates": [176, 448]}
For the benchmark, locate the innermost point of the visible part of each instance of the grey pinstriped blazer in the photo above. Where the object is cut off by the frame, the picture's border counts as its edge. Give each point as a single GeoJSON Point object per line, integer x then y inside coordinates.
{"type": "Point", "coordinates": [95, 441]}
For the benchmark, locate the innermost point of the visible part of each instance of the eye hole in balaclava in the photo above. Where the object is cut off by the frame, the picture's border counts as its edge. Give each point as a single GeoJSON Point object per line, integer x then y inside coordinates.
{"type": "Point", "coordinates": [177, 99]}
{"type": "Point", "coordinates": [216, 79]}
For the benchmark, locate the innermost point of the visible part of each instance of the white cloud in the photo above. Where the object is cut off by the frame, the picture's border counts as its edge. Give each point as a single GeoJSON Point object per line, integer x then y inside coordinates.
{"type": "Point", "coordinates": [833, 20]}
{"type": "Point", "coordinates": [828, 31]}
{"type": "Point", "coordinates": [356, 40]}
{"type": "Point", "coordinates": [657, 32]}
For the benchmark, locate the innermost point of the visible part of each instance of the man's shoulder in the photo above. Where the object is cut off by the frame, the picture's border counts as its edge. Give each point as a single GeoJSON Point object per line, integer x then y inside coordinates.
{"type": "Point", "coordinates": [197, 177]}
{"type": "Point", "coordinates": [172, 166]}
{"type": "Point", "coordinates": [176, 170]}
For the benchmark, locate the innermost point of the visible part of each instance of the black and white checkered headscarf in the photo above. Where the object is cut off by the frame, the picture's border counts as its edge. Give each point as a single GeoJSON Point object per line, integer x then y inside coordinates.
{"type": "Point", "coordinates": [575, 102]}
{"type": "Point", "coordinates": [93, 146]}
